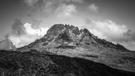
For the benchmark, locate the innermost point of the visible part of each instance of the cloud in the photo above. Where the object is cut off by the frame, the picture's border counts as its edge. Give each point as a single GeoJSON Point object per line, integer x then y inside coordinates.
{"type": "Point", "coordinates": [65, 10]}
{"type": "Point", "coordinates": [17, 28]}
{"type": "Point", "coordinates": [48, 8]}
{"type": "Point", "coordinates": [93, 7]}
{"type": "Point", "coordinates": [31, 2]}
{"type": "Point", "coordinates": [76, 1]}
{"type": "Point", "coordinates": [129, 40]}
{"type": "Point", "coordinates": [37, 2]}
{"type": "Point", "coordinates": [30, 35]}
{"type": "Point", "coordinates": [38, 32]}
{"type": "Point", "coordinates": [108, 29]}
{"type": "Point", "coordinates": [22, 40]}
{"type": "Point", "coordinates": [130, 45]}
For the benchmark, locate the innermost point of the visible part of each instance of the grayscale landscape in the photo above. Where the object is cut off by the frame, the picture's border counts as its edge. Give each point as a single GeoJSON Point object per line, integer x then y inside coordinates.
{"type": "Point", "coordinates": [66, 38]}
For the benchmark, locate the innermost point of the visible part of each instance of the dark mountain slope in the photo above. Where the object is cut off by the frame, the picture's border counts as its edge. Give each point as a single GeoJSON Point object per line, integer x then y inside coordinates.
{"type": "Point", "coordinates": [34, 63]}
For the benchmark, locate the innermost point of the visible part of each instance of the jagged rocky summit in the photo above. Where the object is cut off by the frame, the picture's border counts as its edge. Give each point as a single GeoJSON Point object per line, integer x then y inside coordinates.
{"type": "Point", "coordinates": [66, 50]}
{"type": "Point", "coordinates": [68, 35]}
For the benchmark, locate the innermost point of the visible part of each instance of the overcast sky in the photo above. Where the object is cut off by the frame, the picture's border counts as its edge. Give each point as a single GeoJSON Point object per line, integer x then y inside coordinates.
{"type": "Point", "coordinates": [23, 21]}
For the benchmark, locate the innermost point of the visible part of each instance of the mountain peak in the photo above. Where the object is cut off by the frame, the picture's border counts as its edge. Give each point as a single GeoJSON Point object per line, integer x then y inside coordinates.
{"type": "Point", "coordinates": [58, 28]}
{"type": "Point", "coordinates": [69, 30]}
{"type": "Point", "coordinates": [69, 35]}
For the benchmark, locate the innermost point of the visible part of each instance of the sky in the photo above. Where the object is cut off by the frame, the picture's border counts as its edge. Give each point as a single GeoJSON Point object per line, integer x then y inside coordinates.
{"type": "Point", "coordinates": [23, 21]}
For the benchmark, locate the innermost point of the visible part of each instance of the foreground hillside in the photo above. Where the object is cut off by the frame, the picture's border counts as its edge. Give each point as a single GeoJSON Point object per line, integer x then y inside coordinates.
{"type": "Point", "coordinates": [34, 63]}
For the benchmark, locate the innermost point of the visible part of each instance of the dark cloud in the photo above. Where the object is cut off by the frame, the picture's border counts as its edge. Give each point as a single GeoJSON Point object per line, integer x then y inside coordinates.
{"type": "Point", "coordinates": [128, 37]}
{"type": "Point", "coordinates": [40, 2]}
{"type": "Point", "coordinates": [93, 7]}
{"type": "Point", "coordinates": [131, 36]}
{"type": "Point", "coordinates": [48, 6]}
{"type": "Point", "coordinates": [17, 28]}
